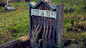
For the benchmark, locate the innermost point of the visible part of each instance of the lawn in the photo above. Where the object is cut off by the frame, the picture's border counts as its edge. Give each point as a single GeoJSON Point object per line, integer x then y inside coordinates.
{"type": "Point", "coordinates": [14, 24]}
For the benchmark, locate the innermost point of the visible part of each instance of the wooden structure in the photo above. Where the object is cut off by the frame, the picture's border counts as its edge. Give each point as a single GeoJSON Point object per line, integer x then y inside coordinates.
{"type": "Point", "coordinates": [22, 42]}
{"type": "Point", "coordinates": [45, 12]}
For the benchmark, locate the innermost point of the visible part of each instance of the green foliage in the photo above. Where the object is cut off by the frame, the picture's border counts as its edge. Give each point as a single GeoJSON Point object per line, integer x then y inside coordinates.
{"type": "Point", "coordinates": [3, 1]}
{"type": "Point", "coordinates": [0, 1]}
{"type": "Point", "coordinates": [17, 0]}
{"type": "Point", "coordinates": [14, 24]}
{"type": "Point", "coordinates": [84, 8]}
{"type": "Point", "coordinates": [69, 9]}
{"type": "Point", "coordinates": [2, 9]}
{"type": "Point", "coordinates": [21, 5]}
{"type": "Point", "coordinates": [84, 36]}
{"type": "Point", "coordinates": [72, 21]}
{"type": "Point", "coordinates": [35, 1]}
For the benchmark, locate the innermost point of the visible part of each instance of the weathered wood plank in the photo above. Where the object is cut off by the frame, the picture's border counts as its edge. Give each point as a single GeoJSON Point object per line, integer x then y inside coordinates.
{"type": "Point", "coordinates": [21, 42]}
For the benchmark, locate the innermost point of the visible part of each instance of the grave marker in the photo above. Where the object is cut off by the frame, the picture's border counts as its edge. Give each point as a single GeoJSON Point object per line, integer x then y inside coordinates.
{"type": "Point", "coordinates": [7, 2]}
{"type": "Point", "coordinates": [9, 6]}
{"type": "Point", "coordinates": [47, 13]}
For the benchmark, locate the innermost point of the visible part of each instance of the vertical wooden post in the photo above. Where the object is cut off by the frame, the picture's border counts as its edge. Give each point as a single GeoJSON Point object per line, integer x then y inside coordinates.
{"type": "Point", "coordinates": [30, 18]}
{"type": "Point", "coordinates": [59, 31]}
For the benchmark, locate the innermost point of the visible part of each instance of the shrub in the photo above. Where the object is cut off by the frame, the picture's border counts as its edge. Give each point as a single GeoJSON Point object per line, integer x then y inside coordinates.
{"type": "Point", "coordinates": [68, 9]}
{"type": "Point", "coordinates": [84, 8]}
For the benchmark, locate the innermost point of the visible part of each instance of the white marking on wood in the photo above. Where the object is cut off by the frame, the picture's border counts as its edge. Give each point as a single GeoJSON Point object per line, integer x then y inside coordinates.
{"type": "Point", "coordinates": [44, 13]}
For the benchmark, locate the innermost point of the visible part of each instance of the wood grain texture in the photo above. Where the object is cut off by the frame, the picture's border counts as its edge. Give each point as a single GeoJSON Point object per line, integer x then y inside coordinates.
{"type": "Point", "coordinates": [60, 24]}
{"type": "Point", "coordinates": [57, 23]}
{"type": "Point", "coordinates": [43, 21]}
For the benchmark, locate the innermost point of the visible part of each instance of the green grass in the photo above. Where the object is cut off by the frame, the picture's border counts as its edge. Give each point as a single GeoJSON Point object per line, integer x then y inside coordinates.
{"type": "Point", "coordinates": [14, 24]}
